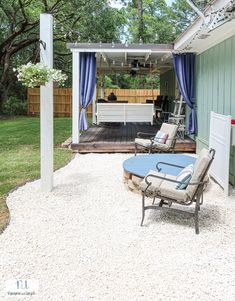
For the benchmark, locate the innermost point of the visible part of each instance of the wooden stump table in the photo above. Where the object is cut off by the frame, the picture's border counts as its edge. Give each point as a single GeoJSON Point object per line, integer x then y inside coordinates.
{"type": "Point", "coordinates": [137, 167]}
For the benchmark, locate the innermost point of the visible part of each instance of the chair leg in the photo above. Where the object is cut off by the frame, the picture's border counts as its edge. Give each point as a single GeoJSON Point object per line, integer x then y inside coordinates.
{"type": "Point", "coordinates": [153, 201]}
{"type": "Point", "coordinates": [161, 203]}
{"type": "Point", "coordinates": [143, 210]}
{"type": "Point", "coordinates": [135, 149]}
{"type": "Point", "coordinates": [196, 217]}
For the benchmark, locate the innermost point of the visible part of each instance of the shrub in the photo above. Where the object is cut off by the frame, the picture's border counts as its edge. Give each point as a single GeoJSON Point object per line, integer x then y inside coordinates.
{"type": "Point", "coordinates": [14, 106]}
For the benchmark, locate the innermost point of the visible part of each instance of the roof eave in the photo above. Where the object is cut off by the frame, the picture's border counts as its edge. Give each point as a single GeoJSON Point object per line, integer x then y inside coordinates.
{"type": "Point", "coordinates": [196, 25]}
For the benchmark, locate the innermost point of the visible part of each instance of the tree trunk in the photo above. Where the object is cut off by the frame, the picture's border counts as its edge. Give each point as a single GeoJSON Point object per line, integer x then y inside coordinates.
{"type": "Point", "coordinates": [3, 80]}
{"type": "Point", "coordinates": [4, 88]}
{"type": "Point", "coordinates": [141, 22]}
{"type": "Point", "coordinates": [1, 100]}
{"type": "Point", "coordinates": [5, 60]}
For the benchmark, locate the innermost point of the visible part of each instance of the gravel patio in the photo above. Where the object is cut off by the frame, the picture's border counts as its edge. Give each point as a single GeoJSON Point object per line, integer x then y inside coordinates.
{"type": "Point", "coordinates": [83, 241]}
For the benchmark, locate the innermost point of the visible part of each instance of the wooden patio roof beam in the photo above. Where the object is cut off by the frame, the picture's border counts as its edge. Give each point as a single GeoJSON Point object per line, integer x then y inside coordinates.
{"type": "Point", "coordinates": [135, 48]}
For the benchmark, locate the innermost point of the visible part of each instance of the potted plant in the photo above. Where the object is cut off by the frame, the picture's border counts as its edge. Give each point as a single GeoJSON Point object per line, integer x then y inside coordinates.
{"type": "Point", "coordinates": [34, 75]}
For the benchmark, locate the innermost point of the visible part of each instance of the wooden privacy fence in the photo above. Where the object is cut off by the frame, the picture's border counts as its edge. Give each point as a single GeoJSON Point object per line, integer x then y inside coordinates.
{"type": "Point", "coordinates": [62, 102]}
{"type": "Point", "coordinates": [63, 99]}
{"type": "Point", "coordinates": [133, 95]}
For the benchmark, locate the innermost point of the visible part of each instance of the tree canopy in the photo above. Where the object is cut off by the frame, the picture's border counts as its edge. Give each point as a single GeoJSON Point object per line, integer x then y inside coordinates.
{"type": "Point", "coordinates": [148, 21]}
{"type": "Point", "coordinates": [81, 20]}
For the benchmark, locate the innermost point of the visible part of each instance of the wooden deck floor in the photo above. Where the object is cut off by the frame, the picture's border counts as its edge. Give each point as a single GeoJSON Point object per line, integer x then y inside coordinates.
{"type": "Point", "coordinates": [120, 138]}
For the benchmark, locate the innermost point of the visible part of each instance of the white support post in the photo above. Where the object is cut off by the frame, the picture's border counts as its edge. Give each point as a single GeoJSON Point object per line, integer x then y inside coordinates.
{"type": "Point", "coordinates": [101, 92]}
{"type": "Point", "coordinates": [46, 104]}
{"type": "Point", "coordinates": [124, 113]}
{"type": "Point", "coordinates": [94, 107]}
{"type": "Point", "coordinates": [75, 98]}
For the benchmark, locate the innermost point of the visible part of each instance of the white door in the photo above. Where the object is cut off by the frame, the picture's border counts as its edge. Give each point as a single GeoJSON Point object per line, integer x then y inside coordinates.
{"type": "Point", "coordinates": [220, 135]}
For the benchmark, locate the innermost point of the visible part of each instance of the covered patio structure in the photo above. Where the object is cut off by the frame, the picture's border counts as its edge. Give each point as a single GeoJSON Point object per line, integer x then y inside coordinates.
{"type": "Point", "coordinates": [135, 59]}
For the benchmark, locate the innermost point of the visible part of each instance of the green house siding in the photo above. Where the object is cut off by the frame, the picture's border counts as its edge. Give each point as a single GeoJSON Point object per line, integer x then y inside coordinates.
{"type": "Point", "coordinates": [167, 79]}
{"type": "Point", "coordinates": [215, 90]}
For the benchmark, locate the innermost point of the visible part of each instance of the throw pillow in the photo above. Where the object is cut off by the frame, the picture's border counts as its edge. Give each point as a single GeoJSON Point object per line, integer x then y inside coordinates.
{"type": "Point", "coordinates": [161, 137]}
{"type": "Point", "coordinates": [184, 176]}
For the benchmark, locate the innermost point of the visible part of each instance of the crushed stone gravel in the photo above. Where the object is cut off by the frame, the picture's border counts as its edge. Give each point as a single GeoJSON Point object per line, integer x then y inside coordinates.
{"type": "Point", "coordinates": [83, 241]}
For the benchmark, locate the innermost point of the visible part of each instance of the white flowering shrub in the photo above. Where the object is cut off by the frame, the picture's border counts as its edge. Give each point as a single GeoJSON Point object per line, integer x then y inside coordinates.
{"type": "Point", "coordinates": [34, 75]}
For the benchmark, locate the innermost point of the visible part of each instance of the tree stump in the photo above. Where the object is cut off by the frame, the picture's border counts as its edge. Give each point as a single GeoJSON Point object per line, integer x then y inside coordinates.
{"type": "Point", "coordinates": [132, 182]}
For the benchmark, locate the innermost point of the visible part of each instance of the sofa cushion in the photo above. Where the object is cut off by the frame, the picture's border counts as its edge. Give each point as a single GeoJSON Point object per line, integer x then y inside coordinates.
{"type": "Point", "coordinates": [156, 182]}
{"type": "Point", "coordinates": [161, 146]}
{"type": "Point", "coordinates": [200, 167]}
{"type": "Point", "coordinates": [147, 143]}
{"type": "Point", "coordinates": [161, 137]}
{"type": "Point", "coordinates": [171, 130]}
{"type": "Point", "coordinates": [167, 189]}
{"type": "Point", "coordinates": [163, 188]}
{"type": "Point", "coordinates": [184, 176]}
{"type": "Point", "coordinates": [143, 142]}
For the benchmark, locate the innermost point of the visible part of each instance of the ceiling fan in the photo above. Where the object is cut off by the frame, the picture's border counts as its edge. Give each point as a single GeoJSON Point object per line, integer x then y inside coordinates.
{"type": "Point", "coordinates": [136, 65]}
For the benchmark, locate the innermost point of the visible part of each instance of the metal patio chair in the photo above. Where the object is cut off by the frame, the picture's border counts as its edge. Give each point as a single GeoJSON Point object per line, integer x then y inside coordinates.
{"type": "Point", "coordinates": [157, 185]}
{"type": "Point", "coordinates": [148, 142]}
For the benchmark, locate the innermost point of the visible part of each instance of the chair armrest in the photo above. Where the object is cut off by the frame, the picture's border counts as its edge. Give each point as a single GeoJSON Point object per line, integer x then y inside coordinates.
{"type": "Point", "coordinates": [166, 112]}
{"type": "Point", "coordinates": [168, 164]}
{"type": "Point", "coordinates": [197, 183]}
{"type": "Point", "coordinates": [171, 180]}
{"type": "Point", "coordinates": [142, 134]}
{"type": "Point", "coordinates": [159, 177]}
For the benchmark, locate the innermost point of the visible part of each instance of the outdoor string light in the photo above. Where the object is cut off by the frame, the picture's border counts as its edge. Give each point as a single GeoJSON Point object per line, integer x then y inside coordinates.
{"type": "Point", "coordinates": [213, 20]}
{"type": "Point", "coordinates": [74, 34]}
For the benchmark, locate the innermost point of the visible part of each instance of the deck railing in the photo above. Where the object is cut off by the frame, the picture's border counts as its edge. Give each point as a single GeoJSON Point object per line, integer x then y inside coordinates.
{"type": "Point", "coordinates": [63, 99]}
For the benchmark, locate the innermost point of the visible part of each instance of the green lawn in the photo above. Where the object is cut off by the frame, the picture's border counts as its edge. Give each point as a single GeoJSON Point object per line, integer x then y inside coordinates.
{"type": "Point", "coordinates": [20, 153]}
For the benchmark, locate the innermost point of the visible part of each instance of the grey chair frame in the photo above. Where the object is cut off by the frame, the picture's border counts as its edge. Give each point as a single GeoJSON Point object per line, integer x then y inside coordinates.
{"type": "Point", "coordinates": [197, 196]}
{"type": "Point", "coordinates": [152, 147]}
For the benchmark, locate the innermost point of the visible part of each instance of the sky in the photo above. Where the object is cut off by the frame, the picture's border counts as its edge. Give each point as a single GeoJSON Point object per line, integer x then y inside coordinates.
{"type": "Point", "coordinates": [113, 3]}
{"type": "Point", "coordinates": [169, 2]}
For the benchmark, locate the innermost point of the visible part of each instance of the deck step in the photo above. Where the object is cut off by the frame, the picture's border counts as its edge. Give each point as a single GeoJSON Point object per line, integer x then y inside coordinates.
{"type": "Point", "coordinates": [125, 147]}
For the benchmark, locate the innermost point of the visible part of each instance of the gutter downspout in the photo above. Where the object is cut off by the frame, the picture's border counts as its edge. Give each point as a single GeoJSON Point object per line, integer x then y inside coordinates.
{"type": "Point", "coordinates": [197, 10]}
